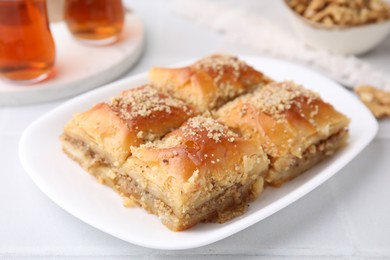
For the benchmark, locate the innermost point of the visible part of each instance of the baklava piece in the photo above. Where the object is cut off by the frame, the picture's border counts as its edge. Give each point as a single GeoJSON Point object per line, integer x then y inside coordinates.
{"type": "Point", "coordinates": [210, 82]}
{"type": "Point", "coordinates": [100, 138]}
{"type": "Point", "coordinates": [295, 127]}
{"type": "Point", "coordinates": [200, 172]}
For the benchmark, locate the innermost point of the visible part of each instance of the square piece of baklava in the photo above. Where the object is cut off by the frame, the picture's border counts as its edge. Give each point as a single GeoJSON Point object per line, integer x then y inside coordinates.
{"type": "Point", "coordinates": [200, 172]}
{"type": "Point", "coordinates": [210, 82]}
{"type": "Point", "coordinates": [295, 127]}
{"type": "Point", "coordinates": [100, 138]}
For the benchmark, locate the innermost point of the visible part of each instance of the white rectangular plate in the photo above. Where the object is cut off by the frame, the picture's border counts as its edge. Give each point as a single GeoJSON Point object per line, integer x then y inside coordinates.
{"type": "Point", "coordinates": [63, 181]}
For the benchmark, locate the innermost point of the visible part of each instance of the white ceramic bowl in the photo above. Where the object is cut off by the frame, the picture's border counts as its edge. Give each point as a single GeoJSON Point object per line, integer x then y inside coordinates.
{"type": "Point", "coordinates": [346, 40]}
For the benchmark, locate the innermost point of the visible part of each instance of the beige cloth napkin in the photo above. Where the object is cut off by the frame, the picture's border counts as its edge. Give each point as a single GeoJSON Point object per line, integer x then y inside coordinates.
{"type": "Point", "coordinates": [241, 26]}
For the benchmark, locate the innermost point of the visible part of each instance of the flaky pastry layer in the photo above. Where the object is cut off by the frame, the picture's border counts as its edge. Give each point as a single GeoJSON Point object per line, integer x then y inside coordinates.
{"type": "Point", "coordinates": [200, 172]}
{"type": "Point", "coordinates": [286, 120]}
{"type": "Point", "coordinates": [195, 164]}
{"type": "Point", "coordinates": [210, 82]}
{"type": "Point", "coordinates": [132, 118]}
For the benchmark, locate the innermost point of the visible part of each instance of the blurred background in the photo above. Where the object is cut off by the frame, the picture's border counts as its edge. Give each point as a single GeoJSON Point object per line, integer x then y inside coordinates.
{"type": "Point", "coordinates": [348, 215]}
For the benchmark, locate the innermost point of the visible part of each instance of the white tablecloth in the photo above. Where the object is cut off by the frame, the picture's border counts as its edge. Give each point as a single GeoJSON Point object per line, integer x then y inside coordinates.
{"type": "Point", "coordinates": [348, 216]}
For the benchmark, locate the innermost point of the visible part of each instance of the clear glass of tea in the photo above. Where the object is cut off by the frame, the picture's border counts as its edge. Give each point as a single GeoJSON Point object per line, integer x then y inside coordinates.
{"type": "Point", "coordinates": [96, 22]}
{"type": "Point", "coordinates": [27, 50]}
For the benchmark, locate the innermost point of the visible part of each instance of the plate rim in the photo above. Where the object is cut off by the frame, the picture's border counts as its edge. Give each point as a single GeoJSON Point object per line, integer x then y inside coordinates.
{"type": "Point", "coordinates": [235, 227]}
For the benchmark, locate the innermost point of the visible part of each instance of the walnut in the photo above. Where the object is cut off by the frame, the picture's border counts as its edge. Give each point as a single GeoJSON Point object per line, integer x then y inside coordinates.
{"type": "Point", "coordinates": [332, 13]}
{"type": "Point", "coordinates": [378, 101]}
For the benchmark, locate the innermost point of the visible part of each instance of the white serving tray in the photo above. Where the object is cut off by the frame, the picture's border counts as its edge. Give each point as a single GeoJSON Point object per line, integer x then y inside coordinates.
{"type": "Point", "coordinates": [64, 182]}
{"type": "Point", "coordinates": [80, 67]}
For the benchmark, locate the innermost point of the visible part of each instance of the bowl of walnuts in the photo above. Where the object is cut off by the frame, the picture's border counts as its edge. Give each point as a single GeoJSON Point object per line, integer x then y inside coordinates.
{"type": "Point", "coordinates": [340, 26]}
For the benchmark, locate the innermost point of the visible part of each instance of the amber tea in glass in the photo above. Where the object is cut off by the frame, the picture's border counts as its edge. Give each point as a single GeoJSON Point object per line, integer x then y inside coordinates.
{"type": "Point", "coordinates": [27, 50]}
{"type": "Point", "coordinates": [95, 21]}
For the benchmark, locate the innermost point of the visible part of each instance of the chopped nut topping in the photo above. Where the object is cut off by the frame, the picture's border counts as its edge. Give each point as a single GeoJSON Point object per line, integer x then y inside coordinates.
{"type": "Point", "coordinates": [140, 134]}
{"type": "Point", "coordinates": [144, 101]}
{"type": "Point", "coordinates": [226, 71]}
{"type": "Point", "coordinates": [219, 63]}
{"type": "Point", "coordinates": [276, 98]}
{"type": "Point", "coordinates": [215, 131]}
{"type": "Point", "coordinates": [128, 202]}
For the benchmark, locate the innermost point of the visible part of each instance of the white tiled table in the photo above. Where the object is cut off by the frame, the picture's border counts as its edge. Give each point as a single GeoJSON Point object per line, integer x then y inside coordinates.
{"type": "Point", "coordinates": [348, 216]}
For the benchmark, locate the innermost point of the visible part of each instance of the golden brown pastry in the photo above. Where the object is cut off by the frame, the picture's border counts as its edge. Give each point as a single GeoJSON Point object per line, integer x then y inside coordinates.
{"type": "Point", "coordinates": [100, 138]}
{"type": "Point", "coordinates": [199, 172]}
{"type": "Point", "coordinates": [294, 125]}
{"type": "Point", "coordinates": [151, 145]}
{"type": "Point", "coordinates": [210, 82]}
